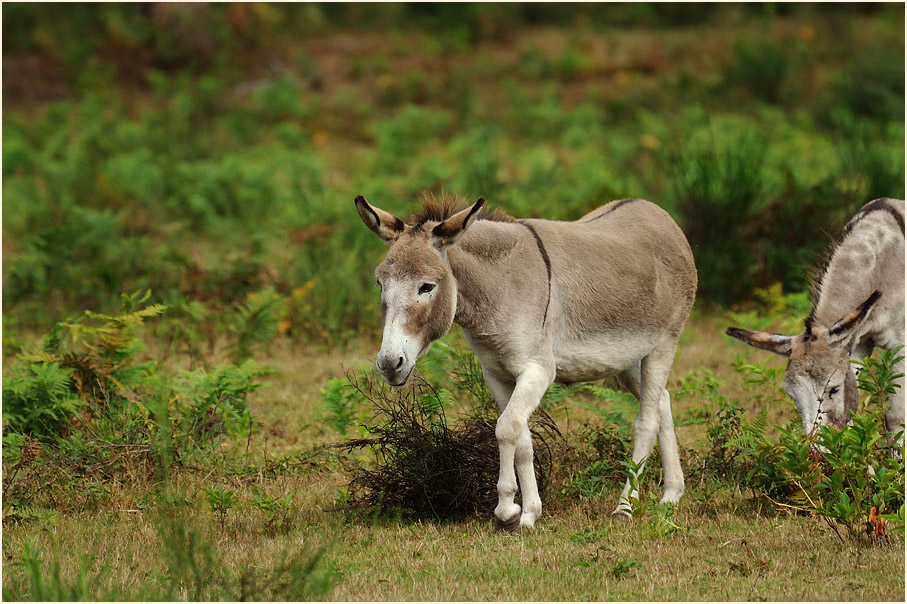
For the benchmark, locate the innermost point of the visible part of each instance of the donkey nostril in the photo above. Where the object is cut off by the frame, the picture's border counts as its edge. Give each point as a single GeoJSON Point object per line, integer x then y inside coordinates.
{"type": "Point", "coordinates": [399, 363]}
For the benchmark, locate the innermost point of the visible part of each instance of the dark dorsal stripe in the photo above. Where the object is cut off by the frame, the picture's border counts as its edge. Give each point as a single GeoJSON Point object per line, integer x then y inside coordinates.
{"type": "Point", "coordinates": [878, 205]}
{"type": "Point", "coordinates": [544, 253]}
{"type": "Point", "coordinates": [882, 204]}
{"type": "Point", "coordinates": [613, 206]}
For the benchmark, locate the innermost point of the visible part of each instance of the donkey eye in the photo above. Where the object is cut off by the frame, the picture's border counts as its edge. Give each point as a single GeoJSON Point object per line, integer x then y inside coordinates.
{"type": "Point", "coordinates": [425, 288]}
{"type": "Point", "coordinates": [833, 391]}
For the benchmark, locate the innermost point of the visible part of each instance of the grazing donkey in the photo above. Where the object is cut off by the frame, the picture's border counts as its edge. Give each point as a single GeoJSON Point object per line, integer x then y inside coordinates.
{"type": "Point", "coordinates": [542, 301]}
{"type": "Point", "coordinates": [858, 304]}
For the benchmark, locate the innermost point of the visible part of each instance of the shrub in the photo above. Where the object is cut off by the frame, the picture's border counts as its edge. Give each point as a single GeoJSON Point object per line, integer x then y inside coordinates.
{"type": "Point", "coordinates": [595, 462]}
{"type": "Point", "coordinates": [400, 137]}
{"type": "Point", "coordinates": [85, 364]}
{"type": "Point", "coordinates": [38, 399]}
{"type": "Point", "coordinates": [718, 183]}
{"type": "Point", "coordinates": [209, 406]}
{"type": "Point", "coordinates": [428, 467]}
{"type": "Point", "coordinates": [872, 83]}
{"type": "Point", "coordinates": [846, 476]}
{"type": "Point", "coordinates": [339, 399]}
{"type": "Point", "coordinates": [762, 67]}
{"type": "Point", "coordinates": [220, 502]}
{"type": "Point", "coordinates": [278, 512]}
{"type": "Point", "coordinates": [871, 167]}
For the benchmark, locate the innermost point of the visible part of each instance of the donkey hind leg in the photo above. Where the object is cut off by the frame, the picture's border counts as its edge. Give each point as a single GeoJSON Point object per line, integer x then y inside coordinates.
{"type": "Point", "coordinates": [515, 445]}
{"type": "Point", "coordinates": [670, 462]}
{"type": "Point", "coordinates": [652, 421]}
{"type": "Point", "coordinates": [670, 454]}
{"type": "Point", "coordinates": [631, 379]}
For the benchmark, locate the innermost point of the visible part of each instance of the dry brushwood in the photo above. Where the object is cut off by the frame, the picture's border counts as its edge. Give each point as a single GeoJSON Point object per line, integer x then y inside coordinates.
{"type": "Point", "coordinates": [428, 467]}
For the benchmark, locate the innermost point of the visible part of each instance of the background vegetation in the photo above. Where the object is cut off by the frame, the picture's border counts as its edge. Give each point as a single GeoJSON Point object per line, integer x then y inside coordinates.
{"type": "Point", "coordinates": [185, 283]}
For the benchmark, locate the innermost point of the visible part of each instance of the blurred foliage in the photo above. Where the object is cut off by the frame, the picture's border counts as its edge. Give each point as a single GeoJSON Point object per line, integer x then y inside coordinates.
{"type": "Point", "coordinates": [211, 152]}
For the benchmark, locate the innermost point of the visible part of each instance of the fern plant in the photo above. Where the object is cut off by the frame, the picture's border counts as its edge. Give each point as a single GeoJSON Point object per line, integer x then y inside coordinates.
{"type": "Point", "coordinates": [339, 399]}
{"type": "Point", "coordinates": [96, 413]}
{"type": "Point", "coordinates": [753, 435]}
{"type": "Point", "coordinates": [38, 399]}
{"type": "Point", "coordinates": [207, 406]}
{"type": "Point", "coordinates": [256, 322]}
{"type": "Point", "coordinates": [87, 363]}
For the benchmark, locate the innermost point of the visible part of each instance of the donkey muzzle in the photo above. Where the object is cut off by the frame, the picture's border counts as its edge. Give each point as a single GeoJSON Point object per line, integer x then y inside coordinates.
{"type": "Point", "coordinates": [395, 367]}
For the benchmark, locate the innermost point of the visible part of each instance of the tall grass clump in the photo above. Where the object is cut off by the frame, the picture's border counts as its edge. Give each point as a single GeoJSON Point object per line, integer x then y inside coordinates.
{"type": "Point", "coordinates": [189, 568]}
{"type": "Point", "coordinates": [763, 68]}
{"type": "Point", "coordinates": [871, 161]}
{"type": "Point", "coordinates": [872, 83]}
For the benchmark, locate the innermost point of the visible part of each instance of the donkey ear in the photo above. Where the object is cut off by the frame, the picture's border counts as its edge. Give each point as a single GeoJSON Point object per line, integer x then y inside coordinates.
{"type": "Point", "coordinates": [446, 234]}
{"type": "Point", "coordinates": [767, 341]}
{"type": "Point", "coordinates": [840, 333]}
{"type": "Point", "coordinates": [382, 223]}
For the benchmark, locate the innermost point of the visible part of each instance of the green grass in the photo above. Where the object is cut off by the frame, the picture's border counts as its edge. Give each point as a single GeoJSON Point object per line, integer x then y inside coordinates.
{"type": "Point", "coordinates": [213, 156]}
{"type": "Point", "coordinates": [727, 546]}
{"type": "Point", "coordinates": [725, 551]}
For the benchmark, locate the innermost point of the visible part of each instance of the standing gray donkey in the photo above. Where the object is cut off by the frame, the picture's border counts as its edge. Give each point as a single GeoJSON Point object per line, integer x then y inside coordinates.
{"type": "Point", "coordinates": [542, 301]}
{"type": "Point", "coordinates": [858, 304]}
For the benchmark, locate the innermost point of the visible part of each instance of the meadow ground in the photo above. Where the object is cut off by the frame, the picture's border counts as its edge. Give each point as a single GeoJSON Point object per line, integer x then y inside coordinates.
{"type": "Point", "coordinates": [209, 154]}
{"type": "Point", "coordinates": [727, 545]}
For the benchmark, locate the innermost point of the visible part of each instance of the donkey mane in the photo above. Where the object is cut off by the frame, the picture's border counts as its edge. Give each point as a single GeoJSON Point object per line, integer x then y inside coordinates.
{"type": "Point", "coordinates": [817, 275]}
{"type": "Point", "coordinates": [438, 209]}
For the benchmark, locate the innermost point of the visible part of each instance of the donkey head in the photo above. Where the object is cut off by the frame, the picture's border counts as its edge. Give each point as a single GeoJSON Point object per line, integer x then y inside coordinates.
{"type": "Point", "coordinates": [418, 289]}
{"type": "Point", "coordinates": [819, 376]}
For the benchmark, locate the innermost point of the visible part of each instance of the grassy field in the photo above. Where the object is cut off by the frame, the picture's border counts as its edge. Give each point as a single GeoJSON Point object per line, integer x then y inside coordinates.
{"type": "Point", "coordinates": [194, 443]}
{"type": "Point", "coordinates": [728, 544]}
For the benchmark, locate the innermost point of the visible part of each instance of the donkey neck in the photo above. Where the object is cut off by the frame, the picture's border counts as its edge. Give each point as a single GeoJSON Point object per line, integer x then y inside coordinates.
{"type": "Point", "coordinates": [859, 264]}
{"type": "Point", "coordinates": [492, 263]}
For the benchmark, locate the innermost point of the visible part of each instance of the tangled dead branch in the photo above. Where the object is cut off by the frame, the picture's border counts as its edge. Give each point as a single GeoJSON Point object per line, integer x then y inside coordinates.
{"type": "Point", "coordinates": [427, 466]}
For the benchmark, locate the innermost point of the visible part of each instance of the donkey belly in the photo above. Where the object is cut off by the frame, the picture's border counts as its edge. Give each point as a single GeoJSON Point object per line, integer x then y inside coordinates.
{"type": "Point", "coordinates": [598, 357]}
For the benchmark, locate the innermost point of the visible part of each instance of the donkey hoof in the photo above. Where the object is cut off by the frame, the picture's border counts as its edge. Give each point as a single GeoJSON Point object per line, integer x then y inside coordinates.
{"type": "Point", "coordinates": [671, 498]}
{"type": "Point", "coordinates": [527, 521]}
{"type": "Point", "coordinates": [621, 515]}
{"type": "Point", "coordinates": [507, 526]}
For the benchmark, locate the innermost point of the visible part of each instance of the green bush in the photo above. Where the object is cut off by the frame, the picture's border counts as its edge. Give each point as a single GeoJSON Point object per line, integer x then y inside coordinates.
{"type": "Point", "coordinates": [844, 476]}
{"type": "Point", "coordinates": [719, 184]}
{"type": "Point", "coordinates": [872, 83]}
{"type": "Point", "coordinates": [38, 399]}
{"type": "Point", "coordinates": [763, 68]}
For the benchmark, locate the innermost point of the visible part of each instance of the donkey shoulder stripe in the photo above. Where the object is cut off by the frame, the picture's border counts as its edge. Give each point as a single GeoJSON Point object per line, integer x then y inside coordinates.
{"type": "Point", "coordinates": [546, 259]}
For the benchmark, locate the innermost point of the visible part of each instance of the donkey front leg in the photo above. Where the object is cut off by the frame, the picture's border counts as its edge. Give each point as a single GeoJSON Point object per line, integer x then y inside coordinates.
{"type": "Point", "coordinates": [515, 445]}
